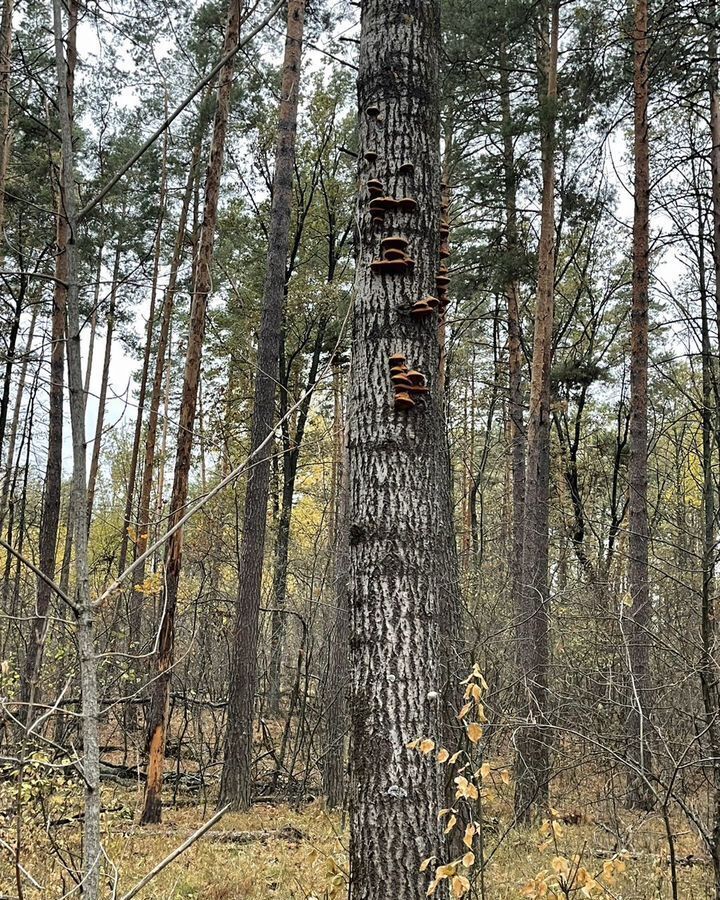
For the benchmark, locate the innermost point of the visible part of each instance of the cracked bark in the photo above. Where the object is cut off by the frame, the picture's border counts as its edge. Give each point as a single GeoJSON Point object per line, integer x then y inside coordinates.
{"type": "Point", "coordinates": [399, 527]}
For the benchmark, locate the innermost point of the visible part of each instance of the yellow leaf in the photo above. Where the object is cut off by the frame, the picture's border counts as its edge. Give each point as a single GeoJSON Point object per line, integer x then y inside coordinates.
{"type": "Point", "coordinates": [474, 732]}
{"type": "Point", "coordinates": [412, 745]}
{"type": "Point", "coordinates": [561, 866]}
{"type": "Point", "coordinates": [443, 756]}
{"type": "Point", "coordinates": [443, 813]}
{"type": "Point", "coordinates": [469, 860]}
{"type": "Point", "coordinates": [452, 821]}
{"type": "Point", "coordinates": [425, 863]}
{"type": "Point", "coordinates": [465, 710]}
{"type": "Point", "coordinates": [505, 776]}
{"type": "Point", "coordinates": [465, 788]}
{"type": "Point", "coordinates": [427, 746]}
{"type": "Point", "coordinates": [446, 871]}
{"type": "Point", "coordinates": [460, 886]}
{"type": "Point", "coordinates": [454, 757]}
{"type": "Point", "coordinates": [470, 832]}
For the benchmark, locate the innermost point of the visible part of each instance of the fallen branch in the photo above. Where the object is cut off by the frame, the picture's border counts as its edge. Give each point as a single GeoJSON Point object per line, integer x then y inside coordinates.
{"type": "Point", "coordinates": [177, 852]}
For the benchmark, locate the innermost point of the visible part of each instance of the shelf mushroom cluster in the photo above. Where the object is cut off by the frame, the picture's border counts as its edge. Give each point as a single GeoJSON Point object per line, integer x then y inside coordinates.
{"type": "Point", "coordinates": [395, 258]}
{"type": "Point", "coordinates": [407, 383]}
{"type": "Point", "coordinates": [442, 279]}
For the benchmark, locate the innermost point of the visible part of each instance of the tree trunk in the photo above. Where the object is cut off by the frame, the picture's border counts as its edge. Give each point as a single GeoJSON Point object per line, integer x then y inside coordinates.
{"type": "Point", "coordinates": [532, 760]}
{"type": "Point", "coordinates": [6, 32]}
{"type": "Point", "coordinates": [515, 351]}
{"type": "Point", "coordinates": [12, 438]}
{"type": "Point", "coordinates": [711, 689]}
{"type": "Point", "coordinates": [143, 525]}
{"type": "Point", "coordinates": [291, 459]}
{"type": "Point", "coordinates": [158, 713]}
{"type": "Point", "coordinates": [235, 787]}
{"type": "Point", "coordinates": [400, 561]}
{"type": "Point", "coordinates": [640, 612]}
{"type": "Point", "coordinates": [85, 623]}
{"type": "Point", "coordinates": [336, 688]}
{"type": "Point", "coordinates": [10, 357]}
{"type": "Point", "coordinates": [102, 399]}
{"type": "Point", "coordinates": [53, 469]}
{"type": "Point", "coordinates": [150, 330]}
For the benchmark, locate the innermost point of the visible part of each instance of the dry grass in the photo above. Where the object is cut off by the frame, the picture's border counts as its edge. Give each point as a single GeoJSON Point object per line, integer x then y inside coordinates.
{"type": "Point", "coordinates": [314, 864]}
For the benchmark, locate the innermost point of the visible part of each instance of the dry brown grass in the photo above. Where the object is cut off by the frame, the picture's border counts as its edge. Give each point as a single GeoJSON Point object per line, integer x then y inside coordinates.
{"type": "Point", "coordinates": [315, 865]}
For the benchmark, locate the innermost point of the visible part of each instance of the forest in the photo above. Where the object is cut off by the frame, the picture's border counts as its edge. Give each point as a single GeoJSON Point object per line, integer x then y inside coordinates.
{"type": "Point", "coordinates": [359, 449]}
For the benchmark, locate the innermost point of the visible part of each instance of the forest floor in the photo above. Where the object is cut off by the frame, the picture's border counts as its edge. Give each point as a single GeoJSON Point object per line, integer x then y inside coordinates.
{"type": "Point", "coordinates": [275, 852]}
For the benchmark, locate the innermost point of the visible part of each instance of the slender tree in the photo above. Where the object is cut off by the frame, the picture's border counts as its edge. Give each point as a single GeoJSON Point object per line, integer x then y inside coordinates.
{"type": "Point", "coordinates": [235, 787]}
{"type": "Point", "coordinates": [532, 761]}
{"type": "Point", "coordinates": [640, 608]}
{"type": "Point", "coordinates": [159, 709]}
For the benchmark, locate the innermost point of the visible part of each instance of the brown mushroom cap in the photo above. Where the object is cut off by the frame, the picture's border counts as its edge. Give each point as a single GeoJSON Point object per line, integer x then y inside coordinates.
{"type": "Point", "coordinates": [394, 243]}
{"type": "Point", "coordinates": [407, 204]}
{"type": "Point", "coordinates": [416, 377]}
{"type": "Point", "coordinates": [442, 281]}
{"type": "Point", "coordinates": [395, 254]}
{"type": "Point", "coordinates": [421, 309]}
{"type": "Point", "coordinates": [397, 359]}
{"type": "Point", "coordinates": [398, 370]}
{"type": "Point", "coordinates": [418, 389]}
{"type": "Point", "coordinates": [401, 381]}
{"type": "Point", "coordinates": [406, 168]}
{"type": "Point", "coordinates": [403, 400]}
{"type": "Point", "coordinates": [431, 301]}
{"type": "Point", "coordinates": [444, 250]}
{"type": "Point", "coordinates": [370, 155]}
{"type": "Point", "coordinates": [392, 266]}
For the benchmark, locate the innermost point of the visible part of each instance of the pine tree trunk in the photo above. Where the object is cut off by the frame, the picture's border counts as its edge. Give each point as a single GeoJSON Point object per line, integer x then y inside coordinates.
{"type": "Point", "coordinates": [400, 558]}
{"type": "Point", "coordinates": [532, 760]}
{"type": "Point", "coordinates": [149, 332]}
{"type": "Point", "coordinates": [102, 398]}
{"type": "Point", "coordinates": [53, 469]}
{"type": "Point", "coordinates": [159, 708]}
{"type": "Point", "coordinates": [291, 459]}
{"type": "Point", "coordinates": [336, 691]}
{"type": "Point", "coordinates": [515, 351]}
{"type": "Point", "coordinates": [91, 854]}
{"type": "Point", "coordinates": [6, 32]}
{"type": "Point", "coordinates": [640, 612]}
{"type": "Point", "coordinates": [15, 421]}
{"type": "Point", "coordinates": [156, 396]}
{"type": "Point", "coordinates": [236, 787]}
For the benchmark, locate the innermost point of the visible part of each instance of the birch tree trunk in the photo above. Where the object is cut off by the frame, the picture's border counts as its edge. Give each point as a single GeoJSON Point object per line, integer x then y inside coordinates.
{"type": "Point", "coordinates": [400, 565]}
{"type": "Point", "coordinates": [84, 611]}
{"type": "Point", "coordinates": [640, 611]}
{"type": "Point", "coordinates": [532, 759]}
{"type": "Point", "coordinates": [236, 786]}
{"type": "Point", "coordinates": [159, 708]}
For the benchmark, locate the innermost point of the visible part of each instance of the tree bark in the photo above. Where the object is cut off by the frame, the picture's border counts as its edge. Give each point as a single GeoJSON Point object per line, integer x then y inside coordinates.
{"type": "Point", "coordinates": [291, 459]}
{"type": "Point", "coordinates": [102, 398]}
{"type": "Point", "coordinates": [159, 710]}
{"type": "Point", "coordinates": [640, 612]}
{"type": "Point", "coordinates": [235, 786]}
{"type": "Point", "coordinates": [333, 768]}
{"type": "Point", "coordinates": [400, 559]}
{"type": "Point", "coordinates": [53, 469]}
{"type": "Point", "coordinates": [150, 331]}
{"type": "Point", "coordinates": [6, 32]}
{"type": "Point", "coordinates": [532, 759]}
{"type": "Point", "coordinates": [85, 616]}
{"type": "Point", "coordinates": [515, 351]}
